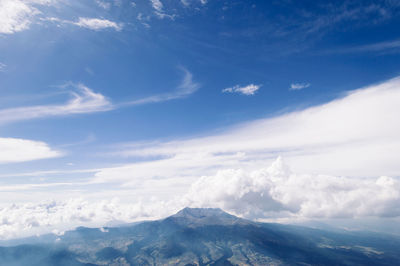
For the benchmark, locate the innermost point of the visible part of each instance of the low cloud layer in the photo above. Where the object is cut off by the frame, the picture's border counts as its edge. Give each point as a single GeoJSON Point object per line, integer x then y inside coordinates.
{"type": "Point", "coordinates": [274, 192]}
{"type": "Point", "coordinates": [20, 220]}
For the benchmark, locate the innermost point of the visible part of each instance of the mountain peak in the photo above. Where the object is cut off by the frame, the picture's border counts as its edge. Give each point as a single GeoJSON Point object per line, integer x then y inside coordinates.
{"type": "Point", "coordinates": [200, 212]}
{"type": "Point", "coordinates": [205, 216]}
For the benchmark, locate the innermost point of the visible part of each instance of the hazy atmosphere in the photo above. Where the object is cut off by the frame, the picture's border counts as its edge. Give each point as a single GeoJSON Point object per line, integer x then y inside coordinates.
{"type": "Point", "coordinates": [119, 111]}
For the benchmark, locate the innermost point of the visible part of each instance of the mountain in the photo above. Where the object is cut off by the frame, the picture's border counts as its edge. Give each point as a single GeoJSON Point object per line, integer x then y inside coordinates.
{"type": "Point", "coordinates": [205, 237]}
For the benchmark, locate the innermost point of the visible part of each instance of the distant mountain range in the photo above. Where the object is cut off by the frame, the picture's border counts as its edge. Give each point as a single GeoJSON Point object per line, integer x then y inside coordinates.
{"type": "Point", "coordinates": [204, 237]}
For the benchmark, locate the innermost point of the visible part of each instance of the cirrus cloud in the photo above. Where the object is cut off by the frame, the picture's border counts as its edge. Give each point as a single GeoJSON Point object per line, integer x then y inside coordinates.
{"type": "Point", "coordinates": [84, 100]}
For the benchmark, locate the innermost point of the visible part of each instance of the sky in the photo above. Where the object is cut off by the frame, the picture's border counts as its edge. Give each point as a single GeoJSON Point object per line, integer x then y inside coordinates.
{"type": "Point", "coordinates": [118, 111]}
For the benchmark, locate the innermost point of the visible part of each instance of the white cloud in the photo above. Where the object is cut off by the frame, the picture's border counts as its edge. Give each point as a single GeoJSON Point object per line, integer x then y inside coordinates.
{"type": "Point", "coordinates": [266, 193]}
{"type": "Point", "coordinates": [246, 90]}
{"type": "Point", "coordinates": [385, 47]}
{"type": "Point", "coordinates": [98, 24]}
{"type": "Point", "coordinates": [159, 10]}
{"type": "Point", "coordinates": [20, 150]}
{"type": "Point", "coordinates": [162, 15]}
{"type": "Point", "coordinates": [185, 88]}
{"type": "Point", "coordinates": [84, 101]}
{"type": "Point", "coordinates": [15, 16]}
{"type": "Point", "coordinates": [18, 15]}
{"type": "Point", "coordinates": [352, 142]}
{"type": "Point", "coordinates": [299, 86]}
{"type": "Point", "coordinates": [88, 23]}
{"type": "Point", "coordinates": [188, 2]}
{"type": "Point", "coordinates": [357, 135]}
{"type": "Point", "coordinates": [157, 5]}
{"type": "Point", "coordinates": [103, 4]}
{"type": "Point", "coordinates": [19, 220]}
{"type": "Point", "coordinates": [2, 67]}
{"type": "Point", "coordinates": [273, 191]}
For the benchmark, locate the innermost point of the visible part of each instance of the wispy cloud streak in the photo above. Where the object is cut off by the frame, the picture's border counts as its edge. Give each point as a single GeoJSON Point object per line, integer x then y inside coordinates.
{"type": "Point", "coordinates": [184, 89]}
{"type": "Point", "coordinates": [299, 86]}
{"type": "Point", "coordinates": [380, 47]}
{"type": "Point", "coordinates": [84, 100]}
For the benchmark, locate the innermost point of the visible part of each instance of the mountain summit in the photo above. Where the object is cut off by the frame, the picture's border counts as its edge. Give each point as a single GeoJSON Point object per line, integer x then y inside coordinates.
{"type": "Point", "coordinates": [193, 217]}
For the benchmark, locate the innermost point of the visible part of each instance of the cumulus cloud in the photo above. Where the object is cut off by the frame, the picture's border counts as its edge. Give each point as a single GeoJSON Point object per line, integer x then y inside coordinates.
{"type": "Point", "coordinates": [267, 193]}
{"type": "Point", "coordinates": [273, 191]}
{"type": "Point", "coordinates": [84, 100]}
{"type": "Point", "coordinates": [98, 24]}
{"type": "Point", "coordinates": [246, 90]}
{"type": "Point", "coordinates": [20, 150]}
{"type": "Point", "coordinates": [299, 86]}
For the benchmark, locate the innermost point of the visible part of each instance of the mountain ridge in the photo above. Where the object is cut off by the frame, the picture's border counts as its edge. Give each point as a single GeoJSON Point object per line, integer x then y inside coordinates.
{"type": "Point", "coordinates": [206, 236]}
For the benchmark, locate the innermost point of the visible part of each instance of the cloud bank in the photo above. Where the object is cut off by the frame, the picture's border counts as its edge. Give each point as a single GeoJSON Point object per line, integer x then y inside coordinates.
{"type": "Point", "coordinates": [19, 220]}
{"type": "Point", "coordinates": [274, 192]}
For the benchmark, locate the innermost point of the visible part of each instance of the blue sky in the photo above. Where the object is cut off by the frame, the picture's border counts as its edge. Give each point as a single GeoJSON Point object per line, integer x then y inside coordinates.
{"type": "Point", "coordinates": [135, 101]}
